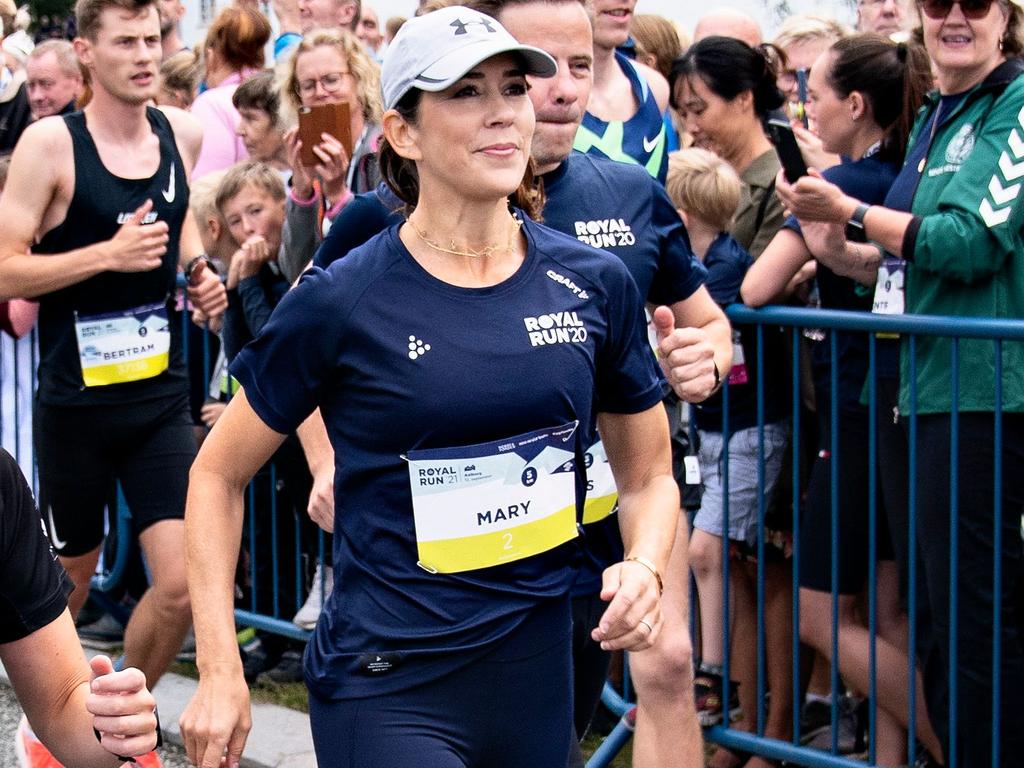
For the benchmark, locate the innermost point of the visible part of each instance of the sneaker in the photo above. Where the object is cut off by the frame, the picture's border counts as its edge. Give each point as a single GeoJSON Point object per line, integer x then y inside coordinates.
{"type": "Point", "coordinates": [104, 634]}
{"type": "Point", "coordinates": [287, 670]}
{"type": "Point", "coordinates": [707, 690]}
{"type": "Point", "coordinates": [323, 581]}
{"type": "Point", "coordinates": [30, 750]}
{"type": "Point", "coordinates": [816, 725]}
{"type": "Point", "coordinates": [256, 660]}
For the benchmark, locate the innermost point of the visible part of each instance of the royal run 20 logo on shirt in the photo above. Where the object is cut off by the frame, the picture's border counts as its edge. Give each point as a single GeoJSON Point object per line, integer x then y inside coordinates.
{"type": "Point", "coordinates": [555, 328]}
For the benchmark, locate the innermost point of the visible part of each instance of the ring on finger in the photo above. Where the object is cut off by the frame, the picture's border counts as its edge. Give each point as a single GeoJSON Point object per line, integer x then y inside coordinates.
{"type": "Point", "coordinates": [650, 627]}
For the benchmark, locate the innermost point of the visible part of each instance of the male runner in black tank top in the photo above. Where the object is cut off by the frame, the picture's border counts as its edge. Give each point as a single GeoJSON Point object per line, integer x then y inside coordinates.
{"type": "Point", "coordinates": [96, 227]}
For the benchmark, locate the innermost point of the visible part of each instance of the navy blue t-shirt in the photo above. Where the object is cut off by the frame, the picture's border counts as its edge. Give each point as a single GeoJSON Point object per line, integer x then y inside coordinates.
{"type": "Point", "coordinates": [727, 263]}
{"type": "Point", "coordinates": [340, 341]}
{"type": "Point", "coordinates": [620, 208]}
{"type": "Point", "coordinates": [868, 180]}
{"type": "Point", "coordinates": [606, 204]}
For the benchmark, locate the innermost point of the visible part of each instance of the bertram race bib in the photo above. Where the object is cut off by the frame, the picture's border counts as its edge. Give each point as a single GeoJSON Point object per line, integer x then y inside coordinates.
{"type": "Point", "coordinates": [602, 496]}
{"type": "Point", "coordinates": [118, 347]}
{"type": "Point", "coordinates": [483, 505]}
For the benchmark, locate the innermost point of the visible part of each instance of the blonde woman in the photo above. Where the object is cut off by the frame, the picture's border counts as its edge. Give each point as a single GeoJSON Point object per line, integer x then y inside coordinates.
{"type": "Point", "coordinates": [331, 66]}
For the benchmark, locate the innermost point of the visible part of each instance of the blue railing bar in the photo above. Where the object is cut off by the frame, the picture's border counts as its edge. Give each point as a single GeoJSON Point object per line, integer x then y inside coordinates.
{"type": "Point", "coordinates": [912, 550]}
{"type": "Point", "coordinates": [726, 602]}
{"type": "Point", "coordinates": [761, 511]}
{"type": "Point", "coordinates": [297, 529]}
{"type": "Point", "coordinates": [270, 624]}
{"type": "Point", "coordinates": [612, 744]}
{"type": "Point", "coordinates": [112, 576]}
{"type": "Point", "coordinates": [873, 548]}
{"type": "Point", "coordinates": [794, 386]}
{"type": "Point", "coordinates": [954, 519]}
{"type": "Point", "coordinates": [252, 544]}
{"type": "Point", "coordinates": [777, 750]}
{"type": "Point", "coordinates": [997, 560]}
{"type": "Point", "coordinates": [274, 543]}
{"type": "Point", "coordinates": [17, 404]}
{"type": "Point", "coordinates": [842, 320]}
{"type": "Point", "coordinates": [614, 700]}
{"type": "Point", "coordinates": [833, 481]}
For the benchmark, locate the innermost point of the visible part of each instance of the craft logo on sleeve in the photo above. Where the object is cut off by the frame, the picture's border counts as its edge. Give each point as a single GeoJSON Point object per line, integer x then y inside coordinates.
{"type": "Point", "coordinates": [568, 283]}
{"type": "Point", "coordinates": [555, 328]}
{"type": "Point", "coordinates": [605, 233]}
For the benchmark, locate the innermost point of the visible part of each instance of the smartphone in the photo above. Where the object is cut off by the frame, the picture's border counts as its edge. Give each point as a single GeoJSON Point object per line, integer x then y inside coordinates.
{"type": "Point", "coordinates": [781, 135]}
{"type": "Point", "coordinates": [332, 119]}
{"type": "Point", "coordinates": [801, 95]}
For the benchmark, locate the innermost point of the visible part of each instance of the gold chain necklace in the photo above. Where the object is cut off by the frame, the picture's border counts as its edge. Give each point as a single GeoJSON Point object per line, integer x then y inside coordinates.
{"type": "Point", "coordinates": [483, 253]}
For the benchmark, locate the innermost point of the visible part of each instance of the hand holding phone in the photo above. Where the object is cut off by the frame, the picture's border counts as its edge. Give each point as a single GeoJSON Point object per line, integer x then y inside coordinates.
{"type": "Point", "coordinates": [332, 119]}
{"type": "Point", "coordinates": [781, 135]}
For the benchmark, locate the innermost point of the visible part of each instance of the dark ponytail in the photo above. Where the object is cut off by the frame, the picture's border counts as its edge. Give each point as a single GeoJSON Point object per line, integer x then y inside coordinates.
{"type": "Point", "coordinates": [400, 174]}
{"type": "Point", "coordinates": [892, 77]}
{"type": "Point", "coordinates": [729, 67]}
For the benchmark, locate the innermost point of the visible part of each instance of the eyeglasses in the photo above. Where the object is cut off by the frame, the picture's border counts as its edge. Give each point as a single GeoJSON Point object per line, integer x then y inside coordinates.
{"type": "Point", "coordinates": [331, 83]}
{"type": "Point", "coordinates": [971, 9]}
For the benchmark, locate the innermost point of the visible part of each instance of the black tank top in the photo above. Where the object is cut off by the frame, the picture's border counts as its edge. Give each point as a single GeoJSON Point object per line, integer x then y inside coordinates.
{"type": "Point", "coordinates": [101, 202]}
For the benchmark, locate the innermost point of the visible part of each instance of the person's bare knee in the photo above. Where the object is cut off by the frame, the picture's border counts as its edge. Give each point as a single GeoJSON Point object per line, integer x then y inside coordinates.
{"type": "Point", "coordinates": [164, 546]}
{"type": "Point", "coordinates": [705, 554]}
{"type": "Point", "coordinates": [664, 671]}
{"type": "Point", "coordinates": [80, 569]}
{"type": "Point", "coordinates": [816, 621]}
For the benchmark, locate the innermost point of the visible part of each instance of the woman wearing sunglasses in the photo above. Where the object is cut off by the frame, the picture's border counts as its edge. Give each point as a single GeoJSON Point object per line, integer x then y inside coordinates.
{"type": "Point", "coordinates": [949, 239]}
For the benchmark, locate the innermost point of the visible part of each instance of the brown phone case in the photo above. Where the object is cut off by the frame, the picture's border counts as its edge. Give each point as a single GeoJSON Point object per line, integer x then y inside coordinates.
{"type": "Point", "coordinates": [326, 118]}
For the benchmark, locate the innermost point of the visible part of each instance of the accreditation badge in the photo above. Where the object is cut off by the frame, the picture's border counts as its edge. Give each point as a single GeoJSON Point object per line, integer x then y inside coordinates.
{"type": "Point", "coordinates": [118, 347]}
{"type": "Point", "coordinates": [602, 496]}
{"type": "Point", "coordinates": [889, 286]}
{"type": "Point", "coordinates": [483, 505]}
{"type": "Point", "coordinates": [889, 290]}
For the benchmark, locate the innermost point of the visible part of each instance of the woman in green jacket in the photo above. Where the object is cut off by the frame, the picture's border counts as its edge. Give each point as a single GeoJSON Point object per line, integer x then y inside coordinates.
{"type": "Point", "coordinates": [948, 241]}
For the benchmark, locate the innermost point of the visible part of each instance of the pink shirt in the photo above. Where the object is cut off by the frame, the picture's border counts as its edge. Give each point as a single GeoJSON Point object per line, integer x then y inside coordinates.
{"type": "Point", "coordinates": [222, 148]}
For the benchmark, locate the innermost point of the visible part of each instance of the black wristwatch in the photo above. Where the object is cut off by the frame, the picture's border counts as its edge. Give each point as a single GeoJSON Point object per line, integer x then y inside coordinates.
{"type": "Point", "coordinates": [855, 224]}
{"type": "Point", "coordinates": [192, 263]}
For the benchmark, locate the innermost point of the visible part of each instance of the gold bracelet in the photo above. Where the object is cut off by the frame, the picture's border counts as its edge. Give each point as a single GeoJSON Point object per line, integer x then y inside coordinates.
{"type": "Point", "coordinates": [649, 566]}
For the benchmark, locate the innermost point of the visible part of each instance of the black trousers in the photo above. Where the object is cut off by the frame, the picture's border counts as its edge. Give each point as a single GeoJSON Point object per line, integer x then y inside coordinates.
{"type": "Point", "coordinates": [971, 613]}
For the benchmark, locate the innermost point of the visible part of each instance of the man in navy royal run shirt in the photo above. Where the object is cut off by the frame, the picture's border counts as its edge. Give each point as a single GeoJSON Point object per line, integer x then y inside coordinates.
{"type": "Point", "coordinates": [622, 209]}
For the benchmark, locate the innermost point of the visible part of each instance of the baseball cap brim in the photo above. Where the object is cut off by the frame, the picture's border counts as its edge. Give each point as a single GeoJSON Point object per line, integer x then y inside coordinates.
{"type": "Point", "coordinates": [449, 68]}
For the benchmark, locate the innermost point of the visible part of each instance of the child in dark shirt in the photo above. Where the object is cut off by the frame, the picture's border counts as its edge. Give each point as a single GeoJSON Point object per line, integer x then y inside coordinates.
{"type": "Point", "coordinates": [706, 192]}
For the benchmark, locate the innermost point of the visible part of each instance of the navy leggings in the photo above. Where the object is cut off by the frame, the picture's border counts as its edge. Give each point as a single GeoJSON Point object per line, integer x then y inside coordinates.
{"type": "Point", "coordinates": [510, 709]}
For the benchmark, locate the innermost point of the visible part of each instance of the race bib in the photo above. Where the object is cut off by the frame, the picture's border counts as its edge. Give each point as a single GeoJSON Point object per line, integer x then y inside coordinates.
{"type": "Point", "coordinates": [889, 287]}
{"type": "Point", "coordinates": [478, 506]}
{"type": "Point", "coordinates": [602, 497]}
{"type": "Point", "coordinates": [119, 347]}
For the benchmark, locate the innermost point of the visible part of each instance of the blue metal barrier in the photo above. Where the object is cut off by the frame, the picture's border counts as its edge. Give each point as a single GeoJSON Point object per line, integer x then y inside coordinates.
{"type": "Point", "coordinates": [753, 739]}
{"type": "Point", "coordinates": [268, 543]}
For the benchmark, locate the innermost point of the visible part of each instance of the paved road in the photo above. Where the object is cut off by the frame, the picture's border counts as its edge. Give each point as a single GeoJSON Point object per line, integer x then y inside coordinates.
{"type": "Point", "coordinates": [10, 714]}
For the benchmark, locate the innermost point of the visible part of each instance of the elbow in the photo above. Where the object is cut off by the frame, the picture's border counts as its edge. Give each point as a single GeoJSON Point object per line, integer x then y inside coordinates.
{"type": "Point", "coordinates": [752, 295]}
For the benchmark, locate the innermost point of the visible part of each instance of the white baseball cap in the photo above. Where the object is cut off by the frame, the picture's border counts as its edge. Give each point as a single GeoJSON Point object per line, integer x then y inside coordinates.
{"type": "Point", "coordinates": [431, 52]}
